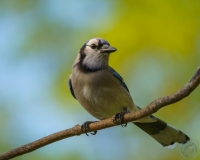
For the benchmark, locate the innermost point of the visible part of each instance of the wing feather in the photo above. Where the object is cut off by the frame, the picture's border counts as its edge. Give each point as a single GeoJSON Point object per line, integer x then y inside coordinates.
{"type": "Point", "coordinates": [116, 75]}
{"type": "Point", "coordinates": [71, 88]}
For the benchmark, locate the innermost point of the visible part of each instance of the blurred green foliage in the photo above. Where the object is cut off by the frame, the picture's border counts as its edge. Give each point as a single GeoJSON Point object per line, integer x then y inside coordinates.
{"type": "Point", "coordinates": [158, 46]}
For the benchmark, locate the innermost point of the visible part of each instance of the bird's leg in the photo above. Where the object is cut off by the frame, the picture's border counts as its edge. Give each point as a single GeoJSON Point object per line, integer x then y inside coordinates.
{"type": "Point", "coordinates": [85, 127]}
{"type": "Point", "coordinates": [120, 116]}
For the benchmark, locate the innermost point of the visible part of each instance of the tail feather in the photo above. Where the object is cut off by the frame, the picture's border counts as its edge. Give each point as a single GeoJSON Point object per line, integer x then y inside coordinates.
{"type": "Point", "coordinates": [162, 132]}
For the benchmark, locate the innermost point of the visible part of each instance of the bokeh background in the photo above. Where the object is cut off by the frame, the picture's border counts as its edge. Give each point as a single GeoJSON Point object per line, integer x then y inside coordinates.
{"type": "Point", "coordinates": [158, 46]}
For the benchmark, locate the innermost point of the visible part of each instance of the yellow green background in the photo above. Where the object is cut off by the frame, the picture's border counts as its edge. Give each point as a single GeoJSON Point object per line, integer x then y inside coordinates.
{"type": "Point", "coordinates": [158, 44]}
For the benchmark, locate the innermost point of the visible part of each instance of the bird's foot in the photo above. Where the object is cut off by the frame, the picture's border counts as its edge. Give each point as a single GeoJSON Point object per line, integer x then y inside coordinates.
{"type": "Point", "coordinates": [85, 127]}
{"type": "Point", "coordinates": [120, 117]}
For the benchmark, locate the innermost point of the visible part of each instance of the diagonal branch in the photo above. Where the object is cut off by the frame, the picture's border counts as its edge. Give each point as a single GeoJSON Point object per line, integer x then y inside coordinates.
{"type": "Point", "coordinates": [76, 130]}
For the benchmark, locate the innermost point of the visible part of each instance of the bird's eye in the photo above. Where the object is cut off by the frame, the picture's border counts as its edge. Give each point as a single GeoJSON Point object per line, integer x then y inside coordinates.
{"type": "Point", "coordinates": [93, 46]}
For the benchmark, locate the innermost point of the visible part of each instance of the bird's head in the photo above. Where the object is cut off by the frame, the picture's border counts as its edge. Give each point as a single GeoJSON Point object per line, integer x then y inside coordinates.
{"type": "Point", "coordinates": [97, 46]}
{"type": "Point", "coordinates": [94, 54]}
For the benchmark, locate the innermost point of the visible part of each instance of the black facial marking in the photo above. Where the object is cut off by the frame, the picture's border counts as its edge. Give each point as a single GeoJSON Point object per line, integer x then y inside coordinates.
{"type": "Point", "coordinates": [82, 57]}
{"type": "Point", "coordinates": [99, 44]}
{"type": "Point", "coordinates": [83, 47]}
{"type": "Point", "coordinates": [85, 69]}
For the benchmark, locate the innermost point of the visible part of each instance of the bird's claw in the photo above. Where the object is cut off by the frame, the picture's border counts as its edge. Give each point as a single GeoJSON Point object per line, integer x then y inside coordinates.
{"type": "Point", "coordinates": [85, 127]}
{"type": "Point", "coordinates": [120, 116]}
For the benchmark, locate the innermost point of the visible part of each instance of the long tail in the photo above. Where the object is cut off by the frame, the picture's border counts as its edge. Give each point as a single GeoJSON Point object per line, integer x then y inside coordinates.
{"type": "Point", "coordinates": [162, 132]}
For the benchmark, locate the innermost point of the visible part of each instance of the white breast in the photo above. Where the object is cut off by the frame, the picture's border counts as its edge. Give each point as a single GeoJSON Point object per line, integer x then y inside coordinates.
{"type": "Point", "coordinates": [87, 93]}
{"type": "Point", "coordinates": [101, 94]}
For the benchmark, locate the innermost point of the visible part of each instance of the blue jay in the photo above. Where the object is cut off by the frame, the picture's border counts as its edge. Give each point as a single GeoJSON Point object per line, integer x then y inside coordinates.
{"type": "Point", "coordinates": [103, 93]}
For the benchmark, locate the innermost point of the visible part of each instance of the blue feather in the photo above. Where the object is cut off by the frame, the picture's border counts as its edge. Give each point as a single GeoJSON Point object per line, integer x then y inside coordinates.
{"type": "Point", "coordinates": [116, 75]}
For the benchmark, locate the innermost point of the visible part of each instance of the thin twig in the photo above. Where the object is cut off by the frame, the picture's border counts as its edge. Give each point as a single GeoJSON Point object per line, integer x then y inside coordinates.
{"type": "Point", "coordinates": [76, 130]}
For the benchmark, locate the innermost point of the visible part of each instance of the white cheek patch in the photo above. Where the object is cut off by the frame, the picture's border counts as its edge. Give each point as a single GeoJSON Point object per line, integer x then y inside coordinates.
{"type": "Point", "coordinates": [88, 49]}
{"type": "Point", "coordinates": [94, 60]}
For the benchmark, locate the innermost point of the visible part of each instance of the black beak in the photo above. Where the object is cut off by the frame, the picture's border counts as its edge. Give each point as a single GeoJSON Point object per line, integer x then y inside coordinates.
{"type": "Point", "coordinates": [108, 50]}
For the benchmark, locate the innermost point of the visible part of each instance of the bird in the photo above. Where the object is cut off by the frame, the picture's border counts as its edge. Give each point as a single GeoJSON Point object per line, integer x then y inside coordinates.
{"type": "Point", "coordinates": [102, 92]}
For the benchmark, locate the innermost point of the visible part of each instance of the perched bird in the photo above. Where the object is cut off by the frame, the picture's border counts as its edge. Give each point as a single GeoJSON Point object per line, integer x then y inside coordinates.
{"type": "Point", "coordinates": [103, 93]}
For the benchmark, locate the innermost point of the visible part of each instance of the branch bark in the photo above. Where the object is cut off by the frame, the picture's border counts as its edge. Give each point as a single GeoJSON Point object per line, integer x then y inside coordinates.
{"type": "Point", "coordinates": [76, 130]}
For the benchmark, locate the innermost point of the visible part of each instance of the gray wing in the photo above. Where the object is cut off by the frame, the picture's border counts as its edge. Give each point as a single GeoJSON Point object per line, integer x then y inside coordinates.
{"type": "Point", "coordinates": [71, 88]}
{"type": "Point", "coordinates": [116, 75]}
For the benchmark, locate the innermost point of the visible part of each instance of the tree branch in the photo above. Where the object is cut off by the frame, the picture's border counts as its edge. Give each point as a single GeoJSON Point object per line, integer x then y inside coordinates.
{"type": "Point", "coordinates": [76, 130]}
